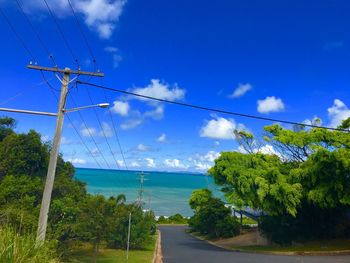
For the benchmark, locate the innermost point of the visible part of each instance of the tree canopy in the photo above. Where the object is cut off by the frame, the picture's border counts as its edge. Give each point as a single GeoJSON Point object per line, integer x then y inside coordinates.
{"type": "Point", "coordinates": [308, 168]}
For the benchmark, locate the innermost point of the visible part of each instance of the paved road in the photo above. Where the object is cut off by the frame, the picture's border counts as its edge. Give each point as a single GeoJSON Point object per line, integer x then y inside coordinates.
{"type": "Point", "coordinates": [180, 247]}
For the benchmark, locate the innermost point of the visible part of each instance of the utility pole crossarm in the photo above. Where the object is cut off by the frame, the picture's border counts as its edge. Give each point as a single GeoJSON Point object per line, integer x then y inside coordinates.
{"type": "Point", "coordinates": [66, 70]}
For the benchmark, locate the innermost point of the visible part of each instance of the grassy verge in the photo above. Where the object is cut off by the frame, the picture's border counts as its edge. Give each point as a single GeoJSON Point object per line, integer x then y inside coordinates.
{"type": "Point", "coordinates": [315, 246]}
{"type": "Point", "coordinates": [84, 254]}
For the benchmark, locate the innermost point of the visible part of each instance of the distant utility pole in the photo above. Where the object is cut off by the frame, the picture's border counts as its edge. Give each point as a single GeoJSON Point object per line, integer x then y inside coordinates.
{"type": "Point", "coordinates": [141, 190]}
{"type": "Point", "coordinates": [128, 244]}
{"type": "Point", "coordinates": [45, 203]}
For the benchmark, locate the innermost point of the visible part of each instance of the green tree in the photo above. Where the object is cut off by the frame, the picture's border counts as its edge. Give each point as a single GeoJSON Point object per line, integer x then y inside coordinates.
{"type": "Point", "coordinates": [308, 179]}
{"type": "Point", "coordinates": [211, 217]}
{"type": "Point", "coordinates": [95, 221]}
{"type": "Point", "coordinates": [23, 154]}
{"type": "Point", "coordinates": [7, 125]}
{"type": "Point", "coordinates": [199, 198]}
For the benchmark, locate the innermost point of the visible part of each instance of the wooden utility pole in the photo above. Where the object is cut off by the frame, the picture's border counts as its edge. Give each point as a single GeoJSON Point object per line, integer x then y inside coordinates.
{"type": "Point", "coordinates": [45, 203]}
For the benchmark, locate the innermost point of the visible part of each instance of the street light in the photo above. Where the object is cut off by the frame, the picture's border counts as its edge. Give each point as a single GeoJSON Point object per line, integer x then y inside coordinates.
{"type": "Point", "coordinates": [101, 105]}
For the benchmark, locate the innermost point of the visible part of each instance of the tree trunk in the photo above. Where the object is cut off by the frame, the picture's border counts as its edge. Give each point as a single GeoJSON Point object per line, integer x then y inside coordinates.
{"type": "Point", "coordinates": [95, 252]}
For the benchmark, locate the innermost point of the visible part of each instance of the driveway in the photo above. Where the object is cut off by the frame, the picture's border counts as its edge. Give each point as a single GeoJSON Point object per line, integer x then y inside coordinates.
{"type": "Point", "coordinates": [180, 247]}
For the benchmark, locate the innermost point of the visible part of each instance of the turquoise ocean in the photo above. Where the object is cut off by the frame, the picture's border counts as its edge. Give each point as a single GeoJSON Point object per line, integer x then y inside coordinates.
{"type": "Point", "coordinates": [165, 193]}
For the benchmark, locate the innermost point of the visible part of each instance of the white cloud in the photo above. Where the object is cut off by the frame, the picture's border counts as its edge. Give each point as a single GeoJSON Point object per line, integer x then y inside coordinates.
{"type": "Point", "coordinates": [150, 162]}
{"type": "Point", "coordinates": [202, 162]}
{"type": "Point", "coordinates": [161, 138]}
{"type": "Point", "coordinates": [116, 60]}
{"type": "Point", "coordinates": [156, 114]}
{"type": "Point", "coordinates": [211, 156]}
{"type": "Point", "coordinates": [65, 141]}
{"type": "Point", "coordinates": [130, 124]}
{"type": "Point", "coordinates": [45, 138]}
{"type": "Point", "coordinates": [99, 15]}
{"type": "Point", "coordinates": [121, 107]}
{"type": "Point", "coordinates": [106, 130]}
{"type": "Point", "coordinates": [220, 128]}
{"type": "Point", "coordinates": [270, 104]}
{"type": "Point", "coordinates": [77, 161]}
{"type": "Point", "coordinates": [265, 149]}
{"type": "Point", "coordinates": [116, 57]}
{"type": "Point", "coordinates": [337, 113]}
{"type": "Point", "coordinates": [201, 166]}
{"type": "Point", "coordinates": [174, 163]}
{"type": "Point", "coordinates": [314, 121]}
{"type": "Point", "coordinates": [88, 131]}
{"type": "Point", "coordinates": [241, 90]}
{"type": "Point", "coordinates": [135, 164]}
{"type": "Point", "coordinates": [161, 91]}
{"type": "Point", "coordinates": [143, 148]}
{"type": "Point", "coordinates": [156, 89]}
{"type": "Point", "coordinates": [120, 162]}
{"type": "Point", "coordinates": [94, 152]}
{"type": "Point", "coordinates": [111, 49]}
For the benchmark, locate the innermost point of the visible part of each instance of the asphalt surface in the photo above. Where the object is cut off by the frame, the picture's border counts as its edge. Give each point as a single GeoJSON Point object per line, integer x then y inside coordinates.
{"type": "Point", "coordinates": [180, 247]}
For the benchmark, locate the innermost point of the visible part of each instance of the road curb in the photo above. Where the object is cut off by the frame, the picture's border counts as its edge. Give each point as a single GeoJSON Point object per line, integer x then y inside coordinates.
{"type": "Point", "coordinates": [291, 253]}
{"type": "Point", "coordinates": [157, 256]}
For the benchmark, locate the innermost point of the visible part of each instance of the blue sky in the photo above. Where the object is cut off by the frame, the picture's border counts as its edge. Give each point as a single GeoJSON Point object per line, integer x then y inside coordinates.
{"type": "Point", "coordinates": [281, 59]}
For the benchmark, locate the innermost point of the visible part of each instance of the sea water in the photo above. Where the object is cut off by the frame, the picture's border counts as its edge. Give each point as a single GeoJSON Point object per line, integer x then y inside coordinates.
{"type": "Point", "coordinates": [166, 193]}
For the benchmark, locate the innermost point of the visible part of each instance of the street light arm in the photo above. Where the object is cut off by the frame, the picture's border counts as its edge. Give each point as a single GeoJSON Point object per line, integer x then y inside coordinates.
{"type": "Point", "coordinates": [101, 105]}
{"type": "Point", "coordinates": [28, 112]}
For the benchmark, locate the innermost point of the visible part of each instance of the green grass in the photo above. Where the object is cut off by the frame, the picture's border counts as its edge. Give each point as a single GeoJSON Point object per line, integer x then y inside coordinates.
{"type": "Point", "coordinates": [112, 256]}
{"type": "Point", "coordinates": [83, 254]}
{"type": "Point", "coordinates": [315, 246]}
{"type": "Point", "coordinates": [248, 221]}
{"type": "Point", "coordinates": [15, 247]}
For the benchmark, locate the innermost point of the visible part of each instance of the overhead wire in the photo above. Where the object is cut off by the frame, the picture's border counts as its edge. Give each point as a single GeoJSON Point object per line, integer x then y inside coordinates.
{"type": "Point", "coordinates": [23, 92]}
{"type": "Point", "coordinates": [59, 29]}
{"type": "Point", "coordinates": [88, 46]}
{"type": "Point", "coordinates": [52, 89]}
{"type": "Point", "coordinates": [77, 132]}
{"type": "Point", "coordinates": [20, 40]}
{"type": "Point", "coordinates": [116, 133]}
{"type": "Point", "coordinates": [50, 56]}
{"type": "Point", "coordinates": [211, 109]}
{"type": "Point", "coordinates": [89, 132]}
{"type": "Point", "coordinates": [103, 130]}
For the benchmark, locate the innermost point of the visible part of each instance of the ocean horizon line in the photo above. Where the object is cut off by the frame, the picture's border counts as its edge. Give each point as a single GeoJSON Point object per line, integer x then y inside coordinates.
{"type": "Point", "coordinates": [145, 171]}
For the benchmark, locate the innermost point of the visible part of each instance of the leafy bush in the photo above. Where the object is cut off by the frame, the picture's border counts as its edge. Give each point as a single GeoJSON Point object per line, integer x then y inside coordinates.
{"type": "Point", "coordinates": [212, 218]}
{"type": "Point", "coordinates": [21, 248]}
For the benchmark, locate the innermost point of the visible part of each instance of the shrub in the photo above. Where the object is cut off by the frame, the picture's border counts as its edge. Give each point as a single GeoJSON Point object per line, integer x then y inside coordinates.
{"type": "Point", "coordinates": [212, 218]}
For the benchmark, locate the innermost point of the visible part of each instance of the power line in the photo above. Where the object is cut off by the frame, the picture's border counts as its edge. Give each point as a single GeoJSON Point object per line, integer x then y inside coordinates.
{"type": "Point", "coordinates": [210, 109]}
{"type": "Point", "coordinates": [76, 130]}
{"type": "Point", "coordinates": [89, 132]}
{"type": "Point", "coordinates": [53, 16]}
{"type": "Point", "coordinates": [116, 133]}
{"type": "Point", "coordinates": [82, 33]}
{"type": "Point", "coordinates": [17, 35]}
{"type": "Point", "coordinates": [103, 130]}
{"type": "Point", "coordinates": [36, 33]}
{"type": "Point", "coordinates": [22, 92]}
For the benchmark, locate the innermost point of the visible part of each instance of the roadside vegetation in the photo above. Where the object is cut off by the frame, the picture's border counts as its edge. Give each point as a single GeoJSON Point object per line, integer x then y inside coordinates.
{"type": "Point", "coordinates": [21, 248]}
{"type": "Point", "coordinates": [173, 220]}
{"type": "Point", "coordinates": [301, 186]}
{"type": "Point", "coordinates": [211, 218]}
{"type": "Point", "coordinates": [75, 217]}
